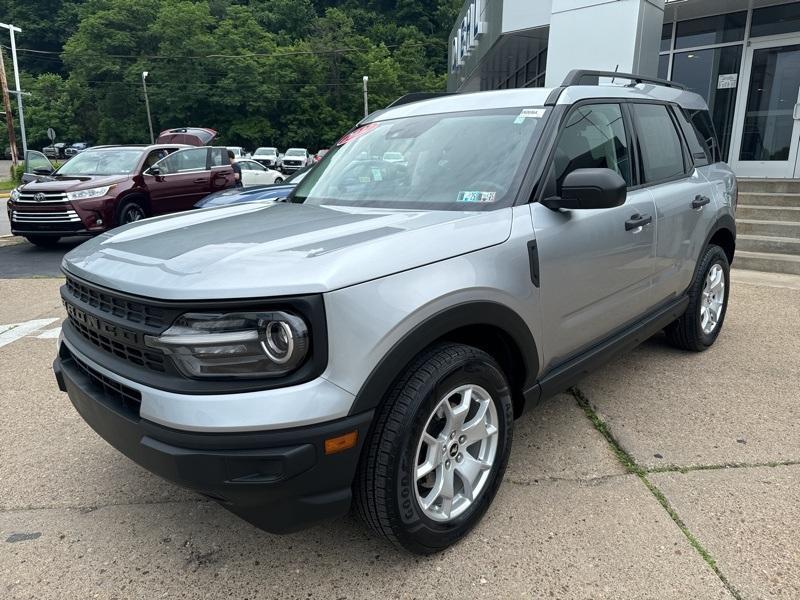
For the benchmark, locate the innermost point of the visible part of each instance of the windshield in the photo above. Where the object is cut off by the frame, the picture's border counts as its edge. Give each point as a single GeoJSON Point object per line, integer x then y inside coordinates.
{"type": "Point", "coordinates": [109, 161]}
{"type": "Point", "coordinates": [295, 152]}
{"type": "Point", "coordinates": [265, 151]}
{"type": "Point", "coordinates": [458, 161]}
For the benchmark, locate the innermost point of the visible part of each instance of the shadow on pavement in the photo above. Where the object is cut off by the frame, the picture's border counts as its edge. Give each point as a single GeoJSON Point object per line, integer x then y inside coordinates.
{"type": "Point", "coordinates": [26, 260]}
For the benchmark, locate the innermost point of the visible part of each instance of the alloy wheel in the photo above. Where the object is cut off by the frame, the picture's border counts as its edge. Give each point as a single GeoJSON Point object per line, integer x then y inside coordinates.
{"type": "Point", "coordinates": [456, 452]}
{"type": "Point", "coordinates": [713, 298]}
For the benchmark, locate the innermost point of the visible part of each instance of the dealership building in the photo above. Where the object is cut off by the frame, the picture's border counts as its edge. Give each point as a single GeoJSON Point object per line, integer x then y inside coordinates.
{"type": "Point", "coordinates": [742, 56]}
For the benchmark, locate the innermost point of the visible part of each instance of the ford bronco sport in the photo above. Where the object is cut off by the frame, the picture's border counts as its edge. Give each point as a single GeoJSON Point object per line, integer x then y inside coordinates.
{"type": "Point", "coordinates": [374, 338]}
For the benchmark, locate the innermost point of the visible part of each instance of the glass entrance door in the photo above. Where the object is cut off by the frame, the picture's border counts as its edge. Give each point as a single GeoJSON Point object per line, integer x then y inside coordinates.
{"type": "Point", "coordinates": [768, 116]}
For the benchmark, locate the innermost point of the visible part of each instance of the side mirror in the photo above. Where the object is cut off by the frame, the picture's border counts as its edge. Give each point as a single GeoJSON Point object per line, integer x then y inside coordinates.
{"type": "Point", "coordinates": [590, 189]}
{"type": "Point", "coordinates": [155, 171]}
{"type": "Point", "coordinates": [42, 171]}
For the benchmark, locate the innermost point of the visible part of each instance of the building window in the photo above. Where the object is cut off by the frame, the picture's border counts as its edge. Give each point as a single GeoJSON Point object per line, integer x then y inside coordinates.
{"type": "Point", "coordinates": [663, 66]}
{"type": "Point", "coordinates": [710, 73]}
{"type": "Point", "coordinates": [666, 37]}
{"type": "Point", "coordinates": [719, 29]}
{"type": "Point", "coordinates": [774, 20]}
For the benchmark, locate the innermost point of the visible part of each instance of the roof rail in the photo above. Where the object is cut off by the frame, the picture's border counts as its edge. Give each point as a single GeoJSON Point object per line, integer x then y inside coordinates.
{"type": "Point", "coordinates": [416, 97]}
{"type": "Point", "coordinates": [576, 77]}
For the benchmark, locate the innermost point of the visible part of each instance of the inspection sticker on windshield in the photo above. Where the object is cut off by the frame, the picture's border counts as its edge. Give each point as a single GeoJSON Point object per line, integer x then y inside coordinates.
{"type": "Point", "coordinates": [476, 196]}
{"type": "Point", "coordinates": [529, 113]}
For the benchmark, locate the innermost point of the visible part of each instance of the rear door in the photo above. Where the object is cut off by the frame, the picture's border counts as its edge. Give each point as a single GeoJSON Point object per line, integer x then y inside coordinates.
{"type": "Point", "coordinates": [254, 173]}
{"type": "Point", "coordinates": [596, 271]}
{"type": "Point", "coordinates": [682, 196]}
{"type": "Point", "coordinates": [176, 182]}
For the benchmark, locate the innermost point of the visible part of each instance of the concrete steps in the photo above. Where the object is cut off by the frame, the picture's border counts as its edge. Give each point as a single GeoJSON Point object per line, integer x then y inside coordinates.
{"type": "Point", "coordinates": [763, 261]}
{"type": "Point", "coordinates": [768, 225]}
{"type": "Point", "coordinates": [769, 199]}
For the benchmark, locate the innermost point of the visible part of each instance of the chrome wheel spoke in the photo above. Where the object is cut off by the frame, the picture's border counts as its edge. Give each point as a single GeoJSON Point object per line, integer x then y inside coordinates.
{"type": "Point", "coordinates": [477, 429]}
{"type": "Point", "coordinates": [469, 471]}
{"type": "Point", "coordinates": [458, 413]}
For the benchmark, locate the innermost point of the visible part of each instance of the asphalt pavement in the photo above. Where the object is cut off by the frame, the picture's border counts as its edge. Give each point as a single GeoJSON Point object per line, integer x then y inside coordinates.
{"type": "Point", "coordinates": [663, 475]}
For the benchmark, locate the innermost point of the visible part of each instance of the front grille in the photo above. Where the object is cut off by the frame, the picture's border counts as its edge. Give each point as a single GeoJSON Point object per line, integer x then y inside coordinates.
{"type": "Point", "coordinates": [126, 398]}
{"type": "Point", "coordinates": [44, 198]}
{"type": "Point", "coordinates": [66, 215]}
{"type": "Point", "coordinates": [123, 308]}
{"type": "Point", "coordinates": [114, 340]}
{"type": "Point", "coordinates": [292, 163]}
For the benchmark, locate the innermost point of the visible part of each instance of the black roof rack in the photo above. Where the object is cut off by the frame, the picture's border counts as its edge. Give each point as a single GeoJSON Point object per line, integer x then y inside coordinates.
{"type": "Point", "coordinates": [416, 97]}
{"type": "Point", "coordinates": [576, 77]}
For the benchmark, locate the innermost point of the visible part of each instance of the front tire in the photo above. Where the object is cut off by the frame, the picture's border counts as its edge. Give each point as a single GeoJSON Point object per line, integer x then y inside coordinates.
{"type": "Point", "coordinates": [438, 451]}
{"type": "Point", "coordinates": [130, 212]}
{"type": "Point", "coordinates": [698, 328]}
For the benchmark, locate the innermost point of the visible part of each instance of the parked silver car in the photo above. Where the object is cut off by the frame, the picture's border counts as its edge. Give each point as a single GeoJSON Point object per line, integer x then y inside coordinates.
{"type": "Point", "coordinates": [374, 338]}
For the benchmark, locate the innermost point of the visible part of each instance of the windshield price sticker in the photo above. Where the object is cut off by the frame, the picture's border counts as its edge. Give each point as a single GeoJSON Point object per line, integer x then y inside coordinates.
{"type": "Point", "coordinates": [529, 113]}
{"type": "Point", "coordinates": [354, 135]}
{"type": "Point", "coordinates": [476, 196]}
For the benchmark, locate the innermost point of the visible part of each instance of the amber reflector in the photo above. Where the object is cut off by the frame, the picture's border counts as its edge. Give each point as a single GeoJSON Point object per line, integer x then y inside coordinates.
{"type": "Point", "coordinates": [341, 442]}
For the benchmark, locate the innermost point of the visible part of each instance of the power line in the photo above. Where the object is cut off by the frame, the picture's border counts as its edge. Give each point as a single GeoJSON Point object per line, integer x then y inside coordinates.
{"type": "Point", "coordinates": [278, 54]}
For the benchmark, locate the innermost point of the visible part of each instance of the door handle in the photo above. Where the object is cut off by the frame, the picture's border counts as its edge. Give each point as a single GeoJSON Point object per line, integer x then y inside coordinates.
{"type": "Point", "coordinates": [637, 221]}
{"type": "Point", "coordinates": [201, 180]}
{"type": "Point", "coordinates": [700, 201]}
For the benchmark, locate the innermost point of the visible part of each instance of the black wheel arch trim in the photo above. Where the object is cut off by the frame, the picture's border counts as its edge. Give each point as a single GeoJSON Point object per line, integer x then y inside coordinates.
{"type": "Point", "coordinates": [724, 223]}
{"type": "Point", "coordinates": [438, 326]}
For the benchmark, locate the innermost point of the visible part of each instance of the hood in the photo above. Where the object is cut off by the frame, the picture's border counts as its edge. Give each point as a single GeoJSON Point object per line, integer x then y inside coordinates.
{"type": "Point", "coordinates": [50, 184]}
{"type": "Point", "coordinates": [267, 249]}
{"type": "Point", "coordinates": [248, 194]}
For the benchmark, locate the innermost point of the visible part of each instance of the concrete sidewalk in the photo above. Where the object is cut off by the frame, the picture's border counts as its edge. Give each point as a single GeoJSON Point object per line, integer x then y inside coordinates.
{"type": "Point", "coordinates": [664, 475]}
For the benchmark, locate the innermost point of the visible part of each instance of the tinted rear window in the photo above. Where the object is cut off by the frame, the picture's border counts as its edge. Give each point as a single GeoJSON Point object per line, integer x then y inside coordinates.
{"type": "Point", "coordinates": [659, 143]}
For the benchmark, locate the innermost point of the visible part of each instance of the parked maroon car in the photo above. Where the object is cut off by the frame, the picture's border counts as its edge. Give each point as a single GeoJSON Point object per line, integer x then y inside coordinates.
{"type": "Point", "coordinates": [107, 186]}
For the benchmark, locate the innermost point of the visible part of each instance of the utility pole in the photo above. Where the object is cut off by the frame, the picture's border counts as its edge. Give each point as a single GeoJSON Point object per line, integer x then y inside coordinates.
{"type": "Point", "coordinates": [18, 92]}
{"type": "Point", "coordinates": [147, 106]}
{"type": "Point", "coordinates": [12, 138]}
{"type": "Point", "coordinates": [366, 97]}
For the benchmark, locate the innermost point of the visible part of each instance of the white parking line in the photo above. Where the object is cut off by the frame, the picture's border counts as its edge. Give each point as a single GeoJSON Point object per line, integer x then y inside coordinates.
{"type": "Point", "coordinates": [14, 331]}
{"type": "Point", "coordinates": [50, 334]}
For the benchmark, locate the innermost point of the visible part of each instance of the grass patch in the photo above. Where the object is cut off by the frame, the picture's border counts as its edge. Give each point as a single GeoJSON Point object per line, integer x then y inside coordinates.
{"type": "Point", "coordinates": [630, 465]}
{"type": "Point", "coordinates": [7, 186]}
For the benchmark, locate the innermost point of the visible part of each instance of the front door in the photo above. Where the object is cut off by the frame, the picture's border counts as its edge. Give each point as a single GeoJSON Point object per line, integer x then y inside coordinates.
{"type": "Point", "coordinates": [768, 112]}
{"type": "Point", "coordinates": [178, 181]}
{"type": "Point", "coordinates": [596, 272]}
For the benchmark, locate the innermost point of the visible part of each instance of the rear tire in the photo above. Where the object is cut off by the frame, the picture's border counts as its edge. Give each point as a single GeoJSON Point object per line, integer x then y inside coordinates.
{"type": "Point", "coordinates": [278, 180]}
{"type": "Point", "coordinates": [425, 480]}
{"type": "Point", "coordinates": [43, 241]}
{"type": "Point", "coordinates": [130, 212]}
{"type": "Point", "coordinates": [698, 328]}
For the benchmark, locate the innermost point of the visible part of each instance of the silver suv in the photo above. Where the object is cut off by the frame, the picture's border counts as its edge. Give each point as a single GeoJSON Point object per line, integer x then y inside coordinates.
{"type": "Point", "coordinates": [374, 338]}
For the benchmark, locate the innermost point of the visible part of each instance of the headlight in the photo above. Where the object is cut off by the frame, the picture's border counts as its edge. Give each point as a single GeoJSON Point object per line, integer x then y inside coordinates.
{"type": "Point", "coordinates": [14, 196]}
{"type": "Point", "coordinates": [86, 194]}
{"type": "Point", "coordinates": [248, 345]}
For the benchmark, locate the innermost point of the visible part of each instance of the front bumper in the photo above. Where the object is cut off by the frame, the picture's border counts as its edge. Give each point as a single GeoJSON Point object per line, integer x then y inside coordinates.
{"type": "Point", "coordinates": [280, 481]}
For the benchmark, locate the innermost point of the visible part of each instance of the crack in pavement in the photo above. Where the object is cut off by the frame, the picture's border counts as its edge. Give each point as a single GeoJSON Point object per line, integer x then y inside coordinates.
{"type": "Point", "coordinates": [548, 479]}
{"type": "Point", "coordinates": [93, 508]}
{"type": "Point", "coordinates": [630, 465]}
{"type": "Point", "coordinates": [716, 467]}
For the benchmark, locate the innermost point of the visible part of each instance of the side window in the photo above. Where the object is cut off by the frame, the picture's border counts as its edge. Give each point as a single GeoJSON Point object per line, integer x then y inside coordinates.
{"type": "Point", "coordinates": [593, 137]}
{"type": "Point", "coordinates": [219, 157]}
{"type": "Point", "coordinates": [700, 152]}
{"type": "Point", "coordinates": [702, 122]}
{"type": "Point", "coordinates": [659, 143]}
{"type": "Point", "coordinates": [154, 157]}
{"type": "Point", "coordinates": [249, 165]}
{"type": "Point", "coordinates": [191, 159]}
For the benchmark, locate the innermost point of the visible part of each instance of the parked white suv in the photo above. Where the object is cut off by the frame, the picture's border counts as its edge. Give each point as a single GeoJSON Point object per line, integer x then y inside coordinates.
{"type": "Point", "coordinates": [267, 156]}
{"type": "Point", "coordinates": [374, 338]}
{"type": "Point", "coordinates": [294, 159]}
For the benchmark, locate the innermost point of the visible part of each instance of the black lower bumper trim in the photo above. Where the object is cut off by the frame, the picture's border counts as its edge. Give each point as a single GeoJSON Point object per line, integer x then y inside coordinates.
{"type": "Point", "coordinates": [280, 481]}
